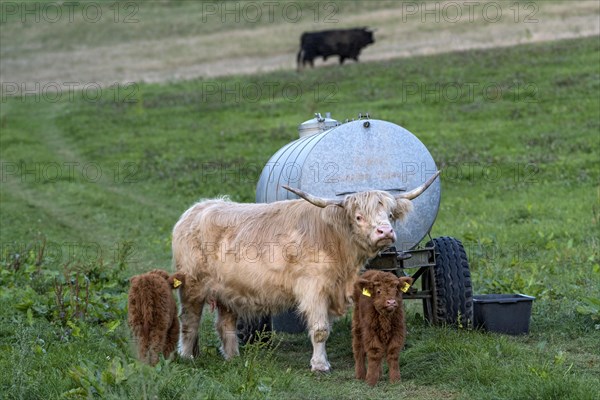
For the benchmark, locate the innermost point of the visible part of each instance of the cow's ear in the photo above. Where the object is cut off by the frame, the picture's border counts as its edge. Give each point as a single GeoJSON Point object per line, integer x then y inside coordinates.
{"type": "Point", "coordinates": [405, 279]}
{"type": "Point", "coordinates": [365, 287]}
{"type": "Point", "coordinates": [176, 280]}
{"type": "Point", "coordinates": [335, 216]}
{"type": "Point", "coordinates": [161, 273]}
{"type": "Point", "coordinates": [365, 284]}
{"type": "Point", "coordinates": [404, 283]}
{"type": "Point", "coordinates": [133, 279]}
{"type": "Point", "coordinates": [401, 209]}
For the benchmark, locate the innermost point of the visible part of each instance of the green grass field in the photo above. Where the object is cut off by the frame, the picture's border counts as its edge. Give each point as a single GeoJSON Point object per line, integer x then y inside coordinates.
{"type": "Point", "coordinates": [91, 189]}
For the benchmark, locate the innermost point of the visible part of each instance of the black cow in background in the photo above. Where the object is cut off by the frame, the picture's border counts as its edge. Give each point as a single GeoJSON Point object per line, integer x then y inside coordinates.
{"type": "Point", "coordinates": [346, 43]}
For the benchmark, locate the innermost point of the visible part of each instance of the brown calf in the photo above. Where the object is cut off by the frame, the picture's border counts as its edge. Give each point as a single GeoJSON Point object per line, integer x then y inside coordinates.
{"type": "Point", "coordinates": [152, 313]}
{"type": "Point", "coordinates": [378, 324]}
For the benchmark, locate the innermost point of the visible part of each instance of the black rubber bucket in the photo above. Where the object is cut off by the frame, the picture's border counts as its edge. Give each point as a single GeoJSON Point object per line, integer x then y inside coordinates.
{"type": "Point", "coordinates": [288, 322]}
{"type": "Point", "coordinates": [502, 313]}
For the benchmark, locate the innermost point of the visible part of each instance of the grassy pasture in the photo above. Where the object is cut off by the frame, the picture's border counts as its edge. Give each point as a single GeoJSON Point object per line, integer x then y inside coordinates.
{"type": "Point", "coordinates": [91, 189]}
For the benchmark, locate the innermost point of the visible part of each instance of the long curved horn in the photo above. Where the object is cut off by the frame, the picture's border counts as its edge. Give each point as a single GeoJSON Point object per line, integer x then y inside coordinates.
{"type": "Point", "coordinates": [317, 201]}
{"type": "Point", "coordinates": [417, 191]}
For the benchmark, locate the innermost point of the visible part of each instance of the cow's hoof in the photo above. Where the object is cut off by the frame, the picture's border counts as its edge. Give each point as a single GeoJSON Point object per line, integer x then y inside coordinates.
{"type": "Point", "coordinates": [186, 356]}
{"type": "Point", "coordinates": [188, 352]}
{"type": "Point", "coordinates": [228, 355]}
{"type": "Point", "coordinates": [320, 367]}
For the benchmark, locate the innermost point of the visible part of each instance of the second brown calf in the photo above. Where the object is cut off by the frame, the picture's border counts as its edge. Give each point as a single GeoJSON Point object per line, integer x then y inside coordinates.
{"type": "Point", "coordinates": [378, 328]}
{"type": "Point", "coordinates": [152, 313]}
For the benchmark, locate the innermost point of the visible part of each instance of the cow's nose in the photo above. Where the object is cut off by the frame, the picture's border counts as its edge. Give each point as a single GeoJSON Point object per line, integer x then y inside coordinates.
{"type": "Point", "coordinates": [385, 231]}
{"type": "Point", "coordinates": [390, 303]}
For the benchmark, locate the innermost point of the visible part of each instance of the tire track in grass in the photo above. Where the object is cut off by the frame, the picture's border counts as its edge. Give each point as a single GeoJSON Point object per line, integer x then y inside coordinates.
{"type": "Point", "coordinates": [90, 210]}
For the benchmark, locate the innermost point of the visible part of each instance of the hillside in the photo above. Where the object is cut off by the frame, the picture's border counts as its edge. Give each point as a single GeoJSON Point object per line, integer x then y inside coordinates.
{"type": "Point", "coordinates": [122, 42]}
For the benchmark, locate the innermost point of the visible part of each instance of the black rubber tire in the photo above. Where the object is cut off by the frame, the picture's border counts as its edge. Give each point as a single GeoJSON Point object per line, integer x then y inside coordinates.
{"type": "Point", "coordinates": [450, 280]}
{"type": "Point", "coordinates": [251, 331]}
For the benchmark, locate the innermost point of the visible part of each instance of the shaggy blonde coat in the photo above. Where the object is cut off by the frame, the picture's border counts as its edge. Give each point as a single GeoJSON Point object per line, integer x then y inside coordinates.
{"type": "Point", "coordinates": [258, 259]}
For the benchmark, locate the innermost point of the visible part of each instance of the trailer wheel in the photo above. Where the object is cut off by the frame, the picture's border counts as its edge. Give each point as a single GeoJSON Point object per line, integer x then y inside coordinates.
{"type": "Point", "coordinates": [450, 284]}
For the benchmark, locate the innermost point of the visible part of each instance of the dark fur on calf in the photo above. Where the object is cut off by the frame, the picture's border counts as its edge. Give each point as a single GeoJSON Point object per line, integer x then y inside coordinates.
{"type": "Point", "coordinates": [152, 314]}
{"type": "Point", "coordinates": [378, 327]}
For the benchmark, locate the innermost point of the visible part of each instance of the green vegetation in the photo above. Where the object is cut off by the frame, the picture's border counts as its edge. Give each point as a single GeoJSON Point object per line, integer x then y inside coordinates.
{"type": "Point", "coordinates": [92, 188]}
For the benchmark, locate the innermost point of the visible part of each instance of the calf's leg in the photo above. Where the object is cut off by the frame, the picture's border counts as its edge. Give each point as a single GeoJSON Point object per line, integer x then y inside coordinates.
{"type": "Point", "coordinates": [375, 357]}
{"type": "Point", "coordinates": [143, 345]}
{"type": "Point", "coordinates": [358, 349]}
{"type": "Point", "coordinates": [392, 361]}
{"type": "Point", "coordinates": [172, 336]}
{"type": "Point", "coordinates": [158, 341]}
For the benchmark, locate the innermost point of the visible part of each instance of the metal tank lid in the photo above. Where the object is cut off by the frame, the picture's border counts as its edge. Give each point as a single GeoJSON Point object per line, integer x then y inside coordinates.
{"type": "Point", "coordinates": [317, 124]}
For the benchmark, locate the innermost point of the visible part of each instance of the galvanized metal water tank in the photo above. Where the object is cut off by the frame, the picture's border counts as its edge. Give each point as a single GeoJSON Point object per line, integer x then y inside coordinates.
{"type": "Point", "coordinates": [360, 155]}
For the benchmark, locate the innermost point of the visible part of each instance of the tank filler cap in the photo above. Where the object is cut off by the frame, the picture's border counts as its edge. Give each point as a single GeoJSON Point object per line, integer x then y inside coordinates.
{"type": "Point", "coordinates": [317, 125]}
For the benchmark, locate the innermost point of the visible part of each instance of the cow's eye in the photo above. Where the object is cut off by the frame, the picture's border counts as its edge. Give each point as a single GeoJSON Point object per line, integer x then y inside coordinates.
{"type": "Point", "coordinates": [378, 291]}
{"type": "Point", "coordinates": [391, 216]}
{"type": "Point", "coordinates": [359, 218]}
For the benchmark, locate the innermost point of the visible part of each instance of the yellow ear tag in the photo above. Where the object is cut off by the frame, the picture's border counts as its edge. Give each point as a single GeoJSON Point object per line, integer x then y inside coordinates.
{"type": "Point", "coordinates": [176, 283]}
{"type": "Point", "coordinates": [405, 287]}
{"type": "Point", "coordinates": [366, 292]}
